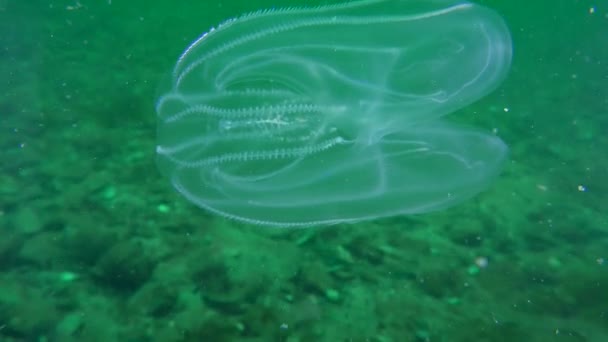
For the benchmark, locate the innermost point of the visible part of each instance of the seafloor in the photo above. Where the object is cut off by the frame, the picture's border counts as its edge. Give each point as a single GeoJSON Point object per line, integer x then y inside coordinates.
{"type": "Point", "coordinates": [96, 246]}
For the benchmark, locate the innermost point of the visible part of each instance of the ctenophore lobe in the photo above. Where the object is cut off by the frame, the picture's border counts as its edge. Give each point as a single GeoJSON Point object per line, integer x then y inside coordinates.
{"type": "Point", "coordinates": [309, 116]}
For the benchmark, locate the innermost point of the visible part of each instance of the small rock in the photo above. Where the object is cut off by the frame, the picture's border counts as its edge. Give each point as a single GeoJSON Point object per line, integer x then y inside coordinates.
{"type": "Point", "coordinates": [332, 295]}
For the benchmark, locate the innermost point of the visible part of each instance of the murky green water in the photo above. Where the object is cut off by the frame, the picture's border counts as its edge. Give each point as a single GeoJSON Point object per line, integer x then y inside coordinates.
{"type": "Point", "coordinates": [95, 245]}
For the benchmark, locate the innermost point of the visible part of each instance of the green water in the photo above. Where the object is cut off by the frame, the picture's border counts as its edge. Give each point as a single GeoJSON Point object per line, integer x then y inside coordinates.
{"type": "Point", "coordinates": [95, 245]}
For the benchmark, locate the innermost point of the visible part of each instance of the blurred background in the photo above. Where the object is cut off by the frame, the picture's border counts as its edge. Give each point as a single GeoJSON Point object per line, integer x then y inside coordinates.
{"type": "Point", "coordinates": [96, 246]}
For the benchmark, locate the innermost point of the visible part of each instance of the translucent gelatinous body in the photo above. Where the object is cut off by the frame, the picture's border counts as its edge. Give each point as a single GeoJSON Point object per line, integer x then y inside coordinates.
{"type": "Point", "coordinates": [299, 117]}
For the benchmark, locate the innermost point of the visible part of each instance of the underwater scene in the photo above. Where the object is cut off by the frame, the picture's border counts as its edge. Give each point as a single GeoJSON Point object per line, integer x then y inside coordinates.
{"type": "Point", "coordinates": [291, 170]}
